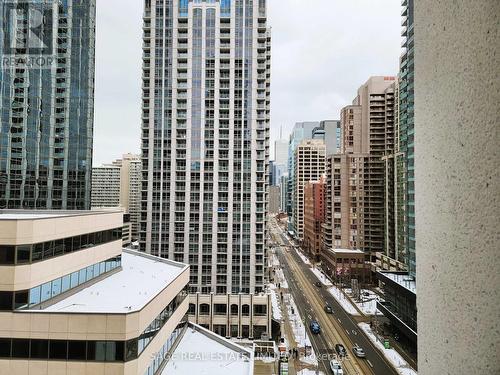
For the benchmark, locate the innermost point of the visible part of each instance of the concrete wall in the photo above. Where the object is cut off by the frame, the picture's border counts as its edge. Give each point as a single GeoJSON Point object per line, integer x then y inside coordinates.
{"type": "Point", "coordinates": [457, 185]}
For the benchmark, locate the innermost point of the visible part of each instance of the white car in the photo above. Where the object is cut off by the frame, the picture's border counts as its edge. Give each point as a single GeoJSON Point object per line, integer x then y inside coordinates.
{"type": "Point", "coordinates": [359, 352]}
{"type": "Point", "coordinates": [336, 368]}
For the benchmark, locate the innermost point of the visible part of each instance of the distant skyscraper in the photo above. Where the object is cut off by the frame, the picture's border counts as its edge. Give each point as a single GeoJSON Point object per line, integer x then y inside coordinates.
{"type": "Point", "coordinates": [309, 166]}
{"type": "Point", "coordinates": [205, 139]}
{"type": "Point", "coordinates": [329, 131]}
{"type": "Point", "coordinates": [301, 131]}
{"type": "Point", "coordinates": [281, 151]}
{"type": "Point", "coordinates": [106, 186]}
{"type": "Point", "coordinates": [119, 185]}
{"type": "Point", "coordinates": [46, 104]}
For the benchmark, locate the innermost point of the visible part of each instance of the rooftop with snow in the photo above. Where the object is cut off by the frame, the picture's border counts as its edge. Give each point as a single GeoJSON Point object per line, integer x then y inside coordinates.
{"type": "Point", "coordinates": [403, 279]}
{"type": "Point", "coordinates": [202, 352]}
{"type": "Point", "coordinates": [141, 278]}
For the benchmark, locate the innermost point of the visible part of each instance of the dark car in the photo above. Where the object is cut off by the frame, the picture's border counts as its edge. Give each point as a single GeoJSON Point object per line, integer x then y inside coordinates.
{"type": "Point", "coordinates": [328, 309]}
{"type": "Point", "coordinates": [318, 284]}
{"type": "Point", "coordinates": [315, 327]}
{"type": "Point", "coordinates": [340, 349]}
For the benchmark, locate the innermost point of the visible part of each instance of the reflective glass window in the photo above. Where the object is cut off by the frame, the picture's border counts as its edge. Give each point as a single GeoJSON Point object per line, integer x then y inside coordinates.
{"type": "Point", "coordinates": [46, 291]}
{"type": "Point", "coordinates": [35, 295]}
{"type": "Point", "coordinates": [66, 283]}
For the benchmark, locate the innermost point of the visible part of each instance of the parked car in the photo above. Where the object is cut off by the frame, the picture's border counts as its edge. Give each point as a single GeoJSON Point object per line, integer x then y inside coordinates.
{"type": "Point", "coordinates": [315, 327]}
{"type": "Point", "coordinates": [336, 368]}
{"type": "Point", "coordinates": [340, 349]}
{"type": "Point", "coordinates": [328, 309]}
{"type": "Point", "coordinates": [318, 284]}
{"type": "Point", "coordinates": [358, 352]}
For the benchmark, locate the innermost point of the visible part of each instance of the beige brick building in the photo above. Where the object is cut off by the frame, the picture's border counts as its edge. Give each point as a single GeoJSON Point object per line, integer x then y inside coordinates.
{"type": "Point", "coordinates": [356, 176]}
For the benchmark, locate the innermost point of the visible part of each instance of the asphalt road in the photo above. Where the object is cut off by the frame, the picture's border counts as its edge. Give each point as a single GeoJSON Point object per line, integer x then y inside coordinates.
{"type": "Point", "coordinates": [339, 327]}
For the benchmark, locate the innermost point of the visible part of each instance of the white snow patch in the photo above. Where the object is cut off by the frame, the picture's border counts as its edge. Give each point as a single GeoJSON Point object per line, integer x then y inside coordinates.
{"type": "Point", "coordinates": [281, 278]}
{"type": "Point", "coordinates": [321, 276]}
{"type": "Point", "coordinates": [276, 306]}
{"type": "Point", "coordinates": [368, 303]}
{"type": "Point", "coordinates": [299, 331]}
{"type": "Point", "coordinates": [302, 256]}
{"type": "Point", "coordinates": [402, 367]}
{"type": "Point", "coordinates": [310, 372]}
{"type": "Point", "coordinates": [343, 300]}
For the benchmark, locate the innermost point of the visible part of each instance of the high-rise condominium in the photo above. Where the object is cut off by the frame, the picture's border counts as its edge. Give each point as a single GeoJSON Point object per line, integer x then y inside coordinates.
{"type": "Point", "coordinates": [355, 196]}
{"type": "Point", "coordinates": [205, 139]}
{"type": "Point", "coordinates": [406, 201]}
{"type": "Point", "coordinates": [46, 103]}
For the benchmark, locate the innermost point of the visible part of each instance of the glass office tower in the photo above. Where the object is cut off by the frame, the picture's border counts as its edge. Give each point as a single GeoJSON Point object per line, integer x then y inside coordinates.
{"type": "Point", "coordinates": [205, 139]}
{"type": "Point", "coordinates": [47, 103]}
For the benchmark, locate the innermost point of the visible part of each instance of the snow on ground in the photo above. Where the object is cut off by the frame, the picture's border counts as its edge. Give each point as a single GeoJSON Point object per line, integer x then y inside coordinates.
{"type": "Point", "coordinates": [276, 306]}
{"type": "Point", "coordinates": [298, 328]}
{"type": "Point", "coordinates": [343, 300]}
{"type": "Point", "coordinates": [368, 303]}
{"type": "Point", "coordinates": [302, 256]}
{"type": "Point", "coordinates": [392, 355]}
{"type": "Point", "coordinates": [299, 331]}
{"type": "Point", "coordinates": [310, 372]}
{"type": "Point", "coordinates": [281, 278]}
{"type": "Point", "coordinates": [274, 260]}
{"type": "Point", "coordinates": [321, 276]}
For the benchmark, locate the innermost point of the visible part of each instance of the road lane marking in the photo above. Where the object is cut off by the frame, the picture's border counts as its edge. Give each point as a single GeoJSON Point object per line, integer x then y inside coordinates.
{"type": "Point", "coordinates": [347, 332]}
{"type": "Point", "coordinates": [370, 363]}
{"type": "Point", "coordinates": [339, 320]}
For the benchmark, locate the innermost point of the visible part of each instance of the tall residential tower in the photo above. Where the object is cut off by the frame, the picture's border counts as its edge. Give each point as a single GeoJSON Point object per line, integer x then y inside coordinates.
{"type": "Point", "coordinates": [205, 139]}
{"type": "Point", "coordinates": [46, 103]}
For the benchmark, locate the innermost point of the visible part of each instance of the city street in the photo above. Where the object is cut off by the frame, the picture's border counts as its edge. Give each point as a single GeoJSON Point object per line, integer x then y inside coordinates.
{"type": "Point", "coordinates": [335, 328]}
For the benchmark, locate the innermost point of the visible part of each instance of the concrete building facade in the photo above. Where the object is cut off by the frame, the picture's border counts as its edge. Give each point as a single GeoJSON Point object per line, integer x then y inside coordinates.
{"type": "Point", "coordinates": [45, 133]}
{"type": "Point", "coordinates": [106, 181]}
{"type": "Point", "coordinates": [309, 166]}
{"type": "Point", "coordinates": [233, 315]}
{"type": "Point", "coordinates": [457, 181]}
{"type": "Point", "coordinates": [274, 199]}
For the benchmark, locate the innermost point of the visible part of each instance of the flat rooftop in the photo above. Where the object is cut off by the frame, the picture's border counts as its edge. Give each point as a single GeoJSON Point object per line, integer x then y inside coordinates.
{"type": "Point", "coordinates": [347, 251]}
{"type": "Point", "coordinates": [47, 214]}
{"type": "Point", "coordinates": [203, 352]}
{"type": "Point", "coordinates": [402, 279]}
{"type": "Point", "coordinates": [141, 278]}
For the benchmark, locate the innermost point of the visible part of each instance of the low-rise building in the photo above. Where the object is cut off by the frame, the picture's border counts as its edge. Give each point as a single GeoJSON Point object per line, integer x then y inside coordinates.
{"type": "Point", "coordinates": [400, 304]}
{"type": "Point", "coordinates": [233, 315]}
{"type": "Point", "coordinates": [73, 302]}
{"type": "Point", "coordinates": [343, 265]}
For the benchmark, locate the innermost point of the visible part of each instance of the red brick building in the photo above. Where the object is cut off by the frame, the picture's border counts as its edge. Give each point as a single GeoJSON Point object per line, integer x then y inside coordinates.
{"type": "Point", "coordinates": [314, 216]}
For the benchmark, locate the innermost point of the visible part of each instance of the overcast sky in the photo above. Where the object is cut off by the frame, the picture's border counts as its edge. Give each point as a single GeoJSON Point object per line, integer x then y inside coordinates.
{"type": "Point", "coordinates": [322, 51]}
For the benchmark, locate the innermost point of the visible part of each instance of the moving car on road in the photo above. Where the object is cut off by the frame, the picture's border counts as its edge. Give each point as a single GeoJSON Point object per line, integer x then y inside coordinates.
{"type": "Point", "coordinates": [328, 309]}
{"type": "Point", "coordinates": [358, 352]}
{"type": "Point", "coordinates": [336, 368]}
{"type": "Point", "coordinates": [318, 284]}
{"type": "Point", "coordinates": [315, 327]}
{"type": "Point", "coordinates": [340, 349]}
